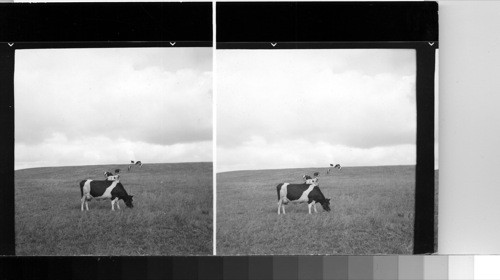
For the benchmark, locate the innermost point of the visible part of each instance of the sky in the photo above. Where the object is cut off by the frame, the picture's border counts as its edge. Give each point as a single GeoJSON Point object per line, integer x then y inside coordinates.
{"type": "Point", "coordinates": [110, 106]}
{"type": "Point", "coordinates": [310, 108]}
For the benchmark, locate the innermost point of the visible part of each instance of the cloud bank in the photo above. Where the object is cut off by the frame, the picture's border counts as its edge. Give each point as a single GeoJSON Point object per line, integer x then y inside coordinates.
{"type": "Point", "coordinates": [98, 106]}
{"type": "Point", "coordinates": [300, 108]}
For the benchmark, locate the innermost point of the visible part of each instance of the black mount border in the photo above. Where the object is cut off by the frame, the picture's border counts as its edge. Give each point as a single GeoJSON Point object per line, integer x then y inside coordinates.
{"type": "Point", "coordinates": [102, 25]}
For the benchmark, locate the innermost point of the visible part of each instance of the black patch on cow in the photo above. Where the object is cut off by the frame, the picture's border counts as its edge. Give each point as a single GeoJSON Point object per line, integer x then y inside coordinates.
{"type": "Point", "coordinates": [97, 189]}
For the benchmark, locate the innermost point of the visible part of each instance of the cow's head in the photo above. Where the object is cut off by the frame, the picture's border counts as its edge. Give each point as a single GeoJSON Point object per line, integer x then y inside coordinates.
{"type": "Point", "coordinates": [326, 204]}
{"type": "Point", "coordinates": [128, 201]}
{"type": "Point", "coordinates": [107, 174]}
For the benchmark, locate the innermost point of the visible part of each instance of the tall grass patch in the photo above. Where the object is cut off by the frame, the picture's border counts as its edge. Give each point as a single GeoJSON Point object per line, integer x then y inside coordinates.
{"type": "Point", "coordinates": [372, 213]}
{"type": "Point", "coordinates": [172, 212]}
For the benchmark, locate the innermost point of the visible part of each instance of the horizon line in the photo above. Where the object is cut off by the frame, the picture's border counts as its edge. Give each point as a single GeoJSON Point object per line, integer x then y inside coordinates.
{"type": "Point", "coordinates": [112, 164]}
{"type": "Point", "coordinates": [346, 166]}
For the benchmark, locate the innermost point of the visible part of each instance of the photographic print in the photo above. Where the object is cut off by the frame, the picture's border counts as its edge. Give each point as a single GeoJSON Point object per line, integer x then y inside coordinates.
{"type": "Point", "coordinates": [316, 151]}
{"type": "Point", "coordinates": [113, 151]}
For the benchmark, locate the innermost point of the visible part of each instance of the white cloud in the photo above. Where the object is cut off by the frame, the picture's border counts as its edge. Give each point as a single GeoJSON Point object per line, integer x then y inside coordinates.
{"type": "Point", "coordinates": [257, 153]}
{"type": "Point", "coordinates": [149, 98]}
{"type": "Point", "coordinates": [359, 103]}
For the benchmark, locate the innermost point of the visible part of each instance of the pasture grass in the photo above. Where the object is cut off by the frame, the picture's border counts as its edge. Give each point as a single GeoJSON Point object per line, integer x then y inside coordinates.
{"type": "Point", "coordinates": [172, 212]}
{"type": "Point", "coordinates": [372, 213]}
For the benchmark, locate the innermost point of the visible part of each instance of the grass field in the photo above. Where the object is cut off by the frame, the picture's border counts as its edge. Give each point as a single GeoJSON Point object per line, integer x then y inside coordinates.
{"type": "Point", "coordinates": [372, 213]}
{"type": "Point", "coordinates": [172, 212]}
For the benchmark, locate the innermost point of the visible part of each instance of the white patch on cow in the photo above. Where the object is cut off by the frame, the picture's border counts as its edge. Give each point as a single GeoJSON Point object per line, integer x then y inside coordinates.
{"type": "Point", "coordinates": [86, 190]}
{"type": "Point", "coordinates": [305, 195]}
{"type": "Point", "coordinates": [284, 192]}
{"type": "Point", "coordinates": [282, 197]}
{"type": "Point", "coordinates": [107, 192]}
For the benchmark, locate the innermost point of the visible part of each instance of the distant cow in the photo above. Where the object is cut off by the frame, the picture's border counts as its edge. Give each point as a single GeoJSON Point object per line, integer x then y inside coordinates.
{"type": "Point", "coordinates": [310, 180]}
{"type": "Point", "coordinates": [113, 190]}
{"type": "Point", "coordinates": [300, 193]}
{"type": "Point", "coordinates": [138, 163]}
{"type": "Point", "coordinates": [336, 166]}
{"type": "Point", "coordinates": [132, 161]}
{"type": "Point", "coordinates": [110, 177]}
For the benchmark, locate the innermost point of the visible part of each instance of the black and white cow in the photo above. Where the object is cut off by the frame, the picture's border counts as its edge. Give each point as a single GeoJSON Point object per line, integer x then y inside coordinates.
{"type": "Point", "coordinates": [110, 177]}
{"type": "Point", "coordinates": [336, 166]}
{"type": "Point", "coordinates": [308, 179]}
{"type": "Point", "coordinates": [113, 190]}
{"type": "Point", "coordinates": [138, 163]}
{"type": "Point", "coordinates": [300, 193]}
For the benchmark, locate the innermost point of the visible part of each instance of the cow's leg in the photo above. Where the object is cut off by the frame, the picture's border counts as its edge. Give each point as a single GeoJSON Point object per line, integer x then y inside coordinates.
{"type": "Point", "coordinates": [315, 211]}
{"type": "Point", "coordinates": [87, 204]}
{"type": "Point", "coordinates": [279, 205]}
{"type": "Point", "coordinates": [117, 203]}
{"type": "Point", "coordinates": [83, 201]}
{"type": "Point", "coordinates": [112, 205]}
{"type": "Point", "coordinates": [283, 205]}
{"type": "Point", "coordinates": [309, 206]}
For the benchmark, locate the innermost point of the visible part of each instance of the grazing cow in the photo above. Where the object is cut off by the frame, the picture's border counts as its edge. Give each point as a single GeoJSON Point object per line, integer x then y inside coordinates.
{"type": "Point", "coordinates": [138, 163]}
{"type": "Point", "coordinates": [113, 190]}
{"type": "Point", "coordinates": [300, 193]}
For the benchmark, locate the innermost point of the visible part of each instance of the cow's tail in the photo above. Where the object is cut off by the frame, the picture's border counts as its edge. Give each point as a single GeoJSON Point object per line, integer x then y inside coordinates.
{"type": "Point", "coordinates": [278, 188]}
{"type": "Point", "coordinates": [82, 183]}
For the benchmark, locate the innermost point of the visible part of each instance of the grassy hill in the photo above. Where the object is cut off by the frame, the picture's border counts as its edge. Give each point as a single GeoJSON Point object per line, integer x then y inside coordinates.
{"type": "Point", "coordinates": [372, 213]}
{"type": "Point", "coordinates": [172, 212]}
